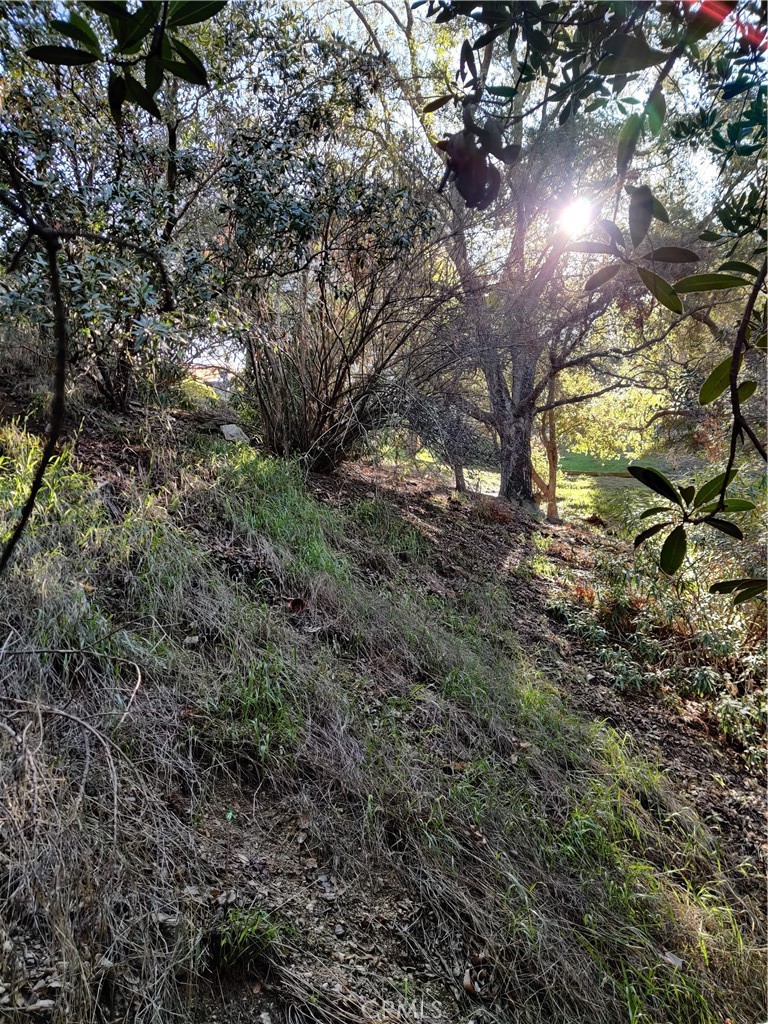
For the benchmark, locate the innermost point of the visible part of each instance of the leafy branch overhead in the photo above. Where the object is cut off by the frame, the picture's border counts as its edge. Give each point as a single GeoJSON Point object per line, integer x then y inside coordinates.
{"type": "Point", "coordinates": [591, 55]}
{"type": "Point", "coordinates": [138, 46]}
{"type": "Point", "coordinates": [688, 506]}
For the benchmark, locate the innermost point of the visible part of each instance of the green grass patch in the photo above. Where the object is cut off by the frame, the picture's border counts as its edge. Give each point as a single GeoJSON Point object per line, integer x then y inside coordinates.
{"type": "Point", "coordinates": [422, 731]}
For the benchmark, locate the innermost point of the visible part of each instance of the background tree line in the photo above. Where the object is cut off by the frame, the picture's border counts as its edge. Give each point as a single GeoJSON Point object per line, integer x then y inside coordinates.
{"type": "Point", "coordinates": [184, 178]}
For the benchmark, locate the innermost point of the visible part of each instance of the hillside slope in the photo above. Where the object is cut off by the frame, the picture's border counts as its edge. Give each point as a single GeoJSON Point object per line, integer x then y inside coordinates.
{"type": "Point", "coordinates": [278, 752]}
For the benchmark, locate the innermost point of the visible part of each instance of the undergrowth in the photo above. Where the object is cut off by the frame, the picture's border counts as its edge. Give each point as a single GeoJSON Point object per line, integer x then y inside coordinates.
{"type": "Point", "coordinates": [161, 640]}
{"type": "Point", "coordinates": [660, 634]}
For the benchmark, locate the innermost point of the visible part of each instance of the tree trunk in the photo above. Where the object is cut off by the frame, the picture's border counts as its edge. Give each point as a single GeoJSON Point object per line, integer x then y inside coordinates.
{"type": "Point", "coordinates": [515, 444]}
{"type": "Point", "coordinates": [461, 483]}
{"type": "Point", "coordinates": [550, 446]}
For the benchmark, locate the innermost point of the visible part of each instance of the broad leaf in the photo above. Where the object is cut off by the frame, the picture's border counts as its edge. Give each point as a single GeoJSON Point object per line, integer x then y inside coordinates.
{"type": "Point", "coordinates": [116, 93]}
{"type": "Point", "coordinates": [729, 505]}
{"type": "Point", "coordinates": [153, 74]}
{"type": "Point", "coordinates": [141, 24]}
{"type": "Point", "coordinates": [640, 213]}
{"type": "Point", "coordinates": [739, 267]}
{"type": "Point", "coordinates": [687, 493]}
{"type": "Point", "coordinates": [750, 592]}
{"type": "Point", "coordinates": [112, 9]}
{"type": "Point", "coordinates": [600, 247]}
{"type": "Point", "coordinates": [602, 276]}
{"type": "Point", "coordinates": [190, 12]}
{"type": "Point", "coordinates": [661, 289]}
{"type": "Point", "coordinates": [641, 538]}
{"type": "Point", "coordinates": [716, 382]}
{"type": "Point", "coordinates": [191, 59]}
{"type": "Point", "coordinates": [655, 511]}
{"type": "Point", "coordinates": [434, 105]}
{"type": "Point", "coordinates": [656, 481]}
{"type": "Point", "coordinates": [728, 586]}
{"type": "Point", "coordinates": [673, 551]}
{"type": "Point", "coordinates": [656, 110]}
{"type": "Point", "coordinates": [659, 211]}
{"type": "Point", "coordinates": [506, 92]}
{"type": "Point", "coordinates": [628, 140]}
{"type": "Point", "coordinates": [746, 389]}
{"type": "Point", "coordinates": [139, 94]}
{"type": "Point", "coordinates": [613, 231]}
{"type": "Point", "coordinates": [708, 282]}
{"type": "Point", "coordinates": [467, 60]}
{"type": "Point", "coordinates": [625, 54]}
{"type": "Point", "coordinates": [671, 254]}
{"type": "Point", "coordinates": [180, 70]}
{"type": "Point", "coordinates": [712, 488]}
{"type": "Point", "coordinates": [77, 28]}
{"type": "Point", "coordinates": [725, 526]}
{"type": "Point", "coordinates": [488, 37]}
{"type": "Point", "coordinates": [66, 55]}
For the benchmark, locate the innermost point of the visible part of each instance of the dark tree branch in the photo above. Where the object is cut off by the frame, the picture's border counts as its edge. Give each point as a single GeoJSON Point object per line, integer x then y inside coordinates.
{"type": "Point", "coordinates": [51, 243]}
{"type": "Point", "coordinates": [740, 426]}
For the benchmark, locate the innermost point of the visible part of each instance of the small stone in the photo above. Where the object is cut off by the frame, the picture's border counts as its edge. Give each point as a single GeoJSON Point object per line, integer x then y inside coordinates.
{"type": "Point", "coordinates": [232, 432]}
{"type": "Point", "coordinates": [338, 931]}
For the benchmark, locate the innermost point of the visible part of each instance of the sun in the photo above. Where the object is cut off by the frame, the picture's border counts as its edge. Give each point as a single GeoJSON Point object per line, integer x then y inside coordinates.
{"type": "Point", "coordinates": [576, 217]}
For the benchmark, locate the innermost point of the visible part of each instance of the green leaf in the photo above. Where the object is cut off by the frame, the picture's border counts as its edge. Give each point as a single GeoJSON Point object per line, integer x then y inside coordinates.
{"type": "Point", "coordinates": [139, 94]}
{"type": "Point", "coordinates": [640, 213]}
{"type": "Point", "coordinates": [728, 586]}
{"type": "Point", "coordinates": [116, 93]}
{"type": "Point", "coordinates": [656, 109]}
{"type": "Point", "coordinates": [77, 28]}
{"type": "Point", "coordinates": [661, 289]}
{"type": "Point", "coordinates": [141, 24]}
{"type": "Point", "coordinates": [712, 488]}
{"type": "Point", "coordinates": [659, 212]}
{"type": "Point", "coordinates": [467, 60]}
{"type": "Point", "coordinates": [655, 480]}
{"type": "Point", "coordinates": [489, 36]}
{"type": "Point", "coordinates": [600, 247]}
{"type": "Point", "coordinates": [111, 8]}
{"type": "Point", "coordinates": [505, 91]}
{"type": "Point", "coordinates": [625, 54]}
{"type": "Point", "coordinates": [671, 254]}
{"type": "Point", "coordinates": [746, 389]}
{"type": "Point", "coordinates": [66, 55]}
{"type": "Point", "coordinates": [739, 267]}
{"type": "Point", "coordinates": [190, 12]}
{"type": "Point", "coordinates": [708, 282]}
{"type": "Point", "coordinates": [716, 382]}
{"type": "Point", "coordinates": [613, 231]}
{"type": "Point", "coordinates": [656, 510]}
{"type": "Point", "coordinates": [180, 70]}
{"type": "Point", "coordinates": [729, 505]}
{"type": "Point", "coordinates": [673, 551]}
{"type": "Point", "coordinates": [192, 60]}
{"type": "Point", "coordinates": [725, 526]}
{"type": "Point", "coordinates": [641, 538]}
{"type": "Point", "coordinates": [153, 74]}
{"type": "Point", "coordinates": [687, 493]}
{"type": "Point", "coordinates": [434, 105]}
{"type": "Point", "coordinates": [629, 136]}
{"type": "Point", "coordinates": [601, 277]}
{"type": "Point", "coordinates": [750, 592]}
{"type": "Point", "coordinates": [710, 236]}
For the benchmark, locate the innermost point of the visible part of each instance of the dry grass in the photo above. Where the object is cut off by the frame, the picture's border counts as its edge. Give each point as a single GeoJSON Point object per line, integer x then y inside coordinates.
{"type": "Point", "coordinates": [151, 663]}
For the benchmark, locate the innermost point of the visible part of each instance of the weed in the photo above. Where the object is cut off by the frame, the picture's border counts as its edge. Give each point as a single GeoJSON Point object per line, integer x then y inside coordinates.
{"type": "Point", "coordinates": [250, 935]}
